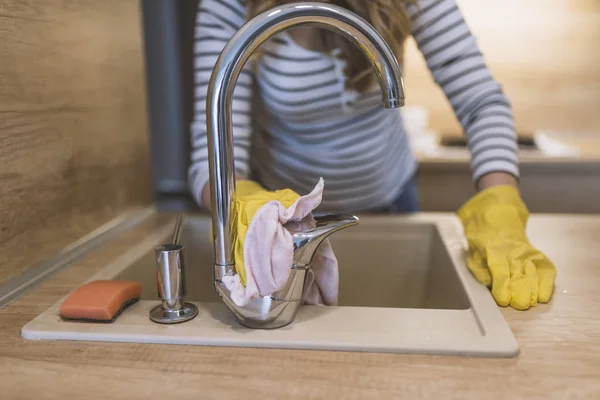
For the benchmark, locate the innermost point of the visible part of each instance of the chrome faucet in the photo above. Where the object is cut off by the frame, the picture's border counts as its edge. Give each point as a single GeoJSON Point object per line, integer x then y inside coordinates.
{"type": "Point", "coordinates": [278, 309]}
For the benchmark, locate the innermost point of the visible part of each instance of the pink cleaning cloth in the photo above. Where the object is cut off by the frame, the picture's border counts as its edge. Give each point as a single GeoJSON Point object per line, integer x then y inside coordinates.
{"type": "Point", "coordinates": [269, 253]}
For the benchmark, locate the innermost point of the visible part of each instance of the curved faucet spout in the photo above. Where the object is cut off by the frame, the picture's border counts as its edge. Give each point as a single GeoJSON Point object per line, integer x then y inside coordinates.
{"type": "Point", "coordinates": [225, 75]}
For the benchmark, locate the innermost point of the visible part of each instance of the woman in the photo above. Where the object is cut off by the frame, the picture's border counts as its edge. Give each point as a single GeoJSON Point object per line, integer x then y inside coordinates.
{"type": "Point", "coordinates": [317, 112]}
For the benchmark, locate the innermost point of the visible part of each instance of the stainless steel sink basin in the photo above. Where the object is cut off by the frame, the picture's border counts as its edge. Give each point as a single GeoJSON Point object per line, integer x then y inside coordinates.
{"type": "Point", "coordinates": [404, 287]}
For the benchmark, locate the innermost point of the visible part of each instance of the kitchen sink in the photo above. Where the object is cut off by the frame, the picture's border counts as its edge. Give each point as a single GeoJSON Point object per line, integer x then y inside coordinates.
{"type": "Point", "coordinates": [404, 287]}
{"type": "Point", "coordinates": [381, 265]}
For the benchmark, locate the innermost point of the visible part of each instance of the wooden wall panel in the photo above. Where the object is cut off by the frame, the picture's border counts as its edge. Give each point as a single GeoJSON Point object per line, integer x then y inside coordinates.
{"type": "Point", "coordinates": [73, 131]}
{"type": "Point", "coordinates": [545, 53]}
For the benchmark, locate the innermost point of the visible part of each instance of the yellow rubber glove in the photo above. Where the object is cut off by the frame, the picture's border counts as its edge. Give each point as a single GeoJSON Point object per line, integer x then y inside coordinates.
{"type": "Point", "coordinates": [250, 197]}
{"type": "Point", "coordinates": [500, 254]}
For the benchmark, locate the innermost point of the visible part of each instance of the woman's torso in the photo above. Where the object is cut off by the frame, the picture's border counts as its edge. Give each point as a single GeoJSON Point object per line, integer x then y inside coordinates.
{"type": "Point", "coordinates": [308, 125]}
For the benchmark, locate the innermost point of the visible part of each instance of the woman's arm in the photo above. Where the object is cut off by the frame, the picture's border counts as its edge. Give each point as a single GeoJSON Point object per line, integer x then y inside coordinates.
{"type": "Point", "coordinates": [216, 22]}
{"type": "Point", "coordinates": [494, 220]}
{"type": "Point", "coordinates": [496, 178]}
{"type": "Point", "coordinates": [459, 68]}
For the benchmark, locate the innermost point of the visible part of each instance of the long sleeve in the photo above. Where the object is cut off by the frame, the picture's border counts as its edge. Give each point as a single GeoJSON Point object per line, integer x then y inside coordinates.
{"type": "Point", "coordinates": [459, 68]}
{"type": "Point", "coordinates": [216, 22]}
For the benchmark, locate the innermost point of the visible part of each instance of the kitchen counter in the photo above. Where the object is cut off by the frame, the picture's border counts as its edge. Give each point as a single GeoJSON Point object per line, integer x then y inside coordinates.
{"type": "Point", "coordinates": [560, 346]}
{"type": "Point", "coordinates": [575, 147]}
{"type": "Point", "coordinates": [569, 180]}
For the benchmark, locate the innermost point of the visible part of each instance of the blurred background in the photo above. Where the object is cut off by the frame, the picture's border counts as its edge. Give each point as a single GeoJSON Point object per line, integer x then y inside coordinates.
{"type": "Point", "coordinates": [96, 100]}
{"type": "Point", "coordinates": [543, 52]}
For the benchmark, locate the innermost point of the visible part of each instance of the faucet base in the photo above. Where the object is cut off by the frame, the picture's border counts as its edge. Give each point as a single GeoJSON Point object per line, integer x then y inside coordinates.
{"type": "Point", "coordinates": [280, 308]}
{"type": "Point", "coordinates": [163, 316]}
{"type": "Point", "coordinates": [267, 312]}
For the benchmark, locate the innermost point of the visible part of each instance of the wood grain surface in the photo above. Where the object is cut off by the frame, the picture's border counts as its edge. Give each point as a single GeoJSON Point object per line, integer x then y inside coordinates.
{"type": "Point", "coordinates": [547, 186]}
{"type": "Point", "coordinates": [543, 52]}
{"type": "Point", "coordinates": [73, 130]}
{"type": "Point", "coordinates": [560, 347]}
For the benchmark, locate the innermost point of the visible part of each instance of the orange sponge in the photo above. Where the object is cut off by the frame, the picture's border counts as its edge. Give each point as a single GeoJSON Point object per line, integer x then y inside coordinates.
{"type": "Point", "coordinates": [100, 301]}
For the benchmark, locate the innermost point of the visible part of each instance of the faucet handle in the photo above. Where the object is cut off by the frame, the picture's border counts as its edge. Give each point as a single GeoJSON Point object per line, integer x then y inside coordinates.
{"type": "Point", "coordinates": [309, 233]}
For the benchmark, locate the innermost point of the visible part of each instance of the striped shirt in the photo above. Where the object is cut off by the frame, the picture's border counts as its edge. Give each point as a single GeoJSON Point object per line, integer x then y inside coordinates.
{"type": "Point", "coordinates": [294, 121]}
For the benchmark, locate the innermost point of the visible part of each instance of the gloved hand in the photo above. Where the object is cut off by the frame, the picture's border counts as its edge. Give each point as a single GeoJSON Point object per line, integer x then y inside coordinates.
{"type": "Point", "coordinates": [250, 197]}
{"type": "Point", "coordinates": [500, 255]}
